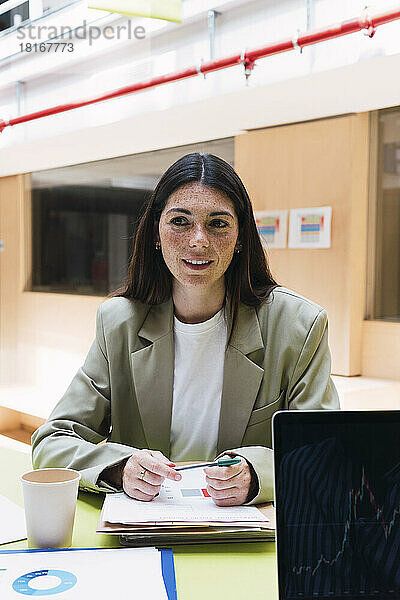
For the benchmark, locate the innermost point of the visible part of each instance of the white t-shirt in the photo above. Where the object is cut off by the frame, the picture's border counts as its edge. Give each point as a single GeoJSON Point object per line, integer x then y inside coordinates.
{"type": "Point", "coordinates": [198, 378]}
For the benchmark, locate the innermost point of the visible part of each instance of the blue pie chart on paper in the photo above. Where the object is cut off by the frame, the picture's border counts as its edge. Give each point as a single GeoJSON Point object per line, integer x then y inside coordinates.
{"type": "Point", "coordinates": [65, 582]}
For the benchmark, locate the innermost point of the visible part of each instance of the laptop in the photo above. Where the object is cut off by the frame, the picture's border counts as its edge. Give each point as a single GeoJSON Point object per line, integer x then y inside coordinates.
{"type": "Point", "coordinates": [337, 498]}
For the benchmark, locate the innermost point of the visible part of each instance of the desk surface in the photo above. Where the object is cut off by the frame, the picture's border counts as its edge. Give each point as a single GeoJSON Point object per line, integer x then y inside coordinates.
{"type": "Point", "coordinates": [237, 571]}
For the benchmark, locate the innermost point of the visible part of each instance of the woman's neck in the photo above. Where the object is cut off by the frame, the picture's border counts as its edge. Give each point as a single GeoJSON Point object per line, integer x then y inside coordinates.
{"type": "Point", "coordinates": [193, 305]}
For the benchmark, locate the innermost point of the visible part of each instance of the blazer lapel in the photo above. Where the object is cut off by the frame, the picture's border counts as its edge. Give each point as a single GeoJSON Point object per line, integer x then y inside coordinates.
{"type": "Point", "coordinates": [242, 379]}
{"type": "Point", "coordinates": [153, 374]}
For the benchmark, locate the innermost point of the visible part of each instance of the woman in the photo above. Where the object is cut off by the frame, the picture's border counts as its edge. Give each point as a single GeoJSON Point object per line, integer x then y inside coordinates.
{"type": "Point", "coordinates": [192, 358]}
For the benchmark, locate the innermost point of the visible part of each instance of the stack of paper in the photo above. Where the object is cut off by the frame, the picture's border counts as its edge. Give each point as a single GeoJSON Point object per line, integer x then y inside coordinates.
{"type": "Point", "coordinates": [183, 512]}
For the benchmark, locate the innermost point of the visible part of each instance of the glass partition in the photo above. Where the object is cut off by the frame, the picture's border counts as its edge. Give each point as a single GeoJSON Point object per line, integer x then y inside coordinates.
{"type": "Point", "coordinates": [84, 217]}
{"type": "Point", "coordinates": [386, 216]}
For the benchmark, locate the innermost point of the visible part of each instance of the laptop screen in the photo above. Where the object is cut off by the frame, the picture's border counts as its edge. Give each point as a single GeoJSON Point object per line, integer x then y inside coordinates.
{"type": "Point", "coordinates": [337, 495]}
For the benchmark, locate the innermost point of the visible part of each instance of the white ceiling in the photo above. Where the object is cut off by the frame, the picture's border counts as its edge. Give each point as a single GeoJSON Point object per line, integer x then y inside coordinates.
{"type": "Point", "coordinates": [368, 85]}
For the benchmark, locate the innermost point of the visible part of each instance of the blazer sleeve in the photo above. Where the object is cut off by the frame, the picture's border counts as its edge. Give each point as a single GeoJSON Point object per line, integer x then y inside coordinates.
{"type": "Point", "coordinates": [73, 434]}
{"type": "Point", "coordinates": [310, 388]}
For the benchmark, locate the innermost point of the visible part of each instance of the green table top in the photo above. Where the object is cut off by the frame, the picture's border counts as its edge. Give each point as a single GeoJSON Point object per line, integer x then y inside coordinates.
{"type": "Point", "coordinates": [236, 570]}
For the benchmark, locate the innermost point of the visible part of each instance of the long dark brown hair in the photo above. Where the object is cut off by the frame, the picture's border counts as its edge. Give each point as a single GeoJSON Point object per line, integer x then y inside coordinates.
{"type": "Point", "coordinates": [248, 278]}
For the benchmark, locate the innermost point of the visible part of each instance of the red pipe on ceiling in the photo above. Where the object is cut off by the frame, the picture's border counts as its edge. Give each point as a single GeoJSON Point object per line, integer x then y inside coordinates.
{"type": "Point", "coordinates": [247, 58]}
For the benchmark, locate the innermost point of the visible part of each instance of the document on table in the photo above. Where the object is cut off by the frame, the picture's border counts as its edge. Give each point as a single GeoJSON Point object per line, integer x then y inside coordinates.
{"type": "Point", "coordinates": [179, 501]}
{"type": "Point", "coordinates": [78, 574]}
{"type": "Point", "coordinates": [12, 521]}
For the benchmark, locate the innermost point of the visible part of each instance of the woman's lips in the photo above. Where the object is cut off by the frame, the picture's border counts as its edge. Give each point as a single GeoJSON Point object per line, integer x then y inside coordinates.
{"type": "Point", "coordinates": [197, 265]}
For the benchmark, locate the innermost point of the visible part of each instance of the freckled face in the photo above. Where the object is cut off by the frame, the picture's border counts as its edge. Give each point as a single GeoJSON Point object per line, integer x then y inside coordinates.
{"type": "Point", "coordinates": [198, 231]}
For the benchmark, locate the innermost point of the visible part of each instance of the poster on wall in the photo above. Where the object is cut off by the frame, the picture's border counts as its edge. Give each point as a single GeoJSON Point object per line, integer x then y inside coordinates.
{"type": "Point", "coordinates": [272, 227]}
{"type": "Point", "coordinates": [310, 227]}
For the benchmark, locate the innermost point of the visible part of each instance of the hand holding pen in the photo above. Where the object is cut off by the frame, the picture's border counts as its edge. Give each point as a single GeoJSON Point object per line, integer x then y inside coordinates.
{"type": "Point", "coordinates": [229, 485]}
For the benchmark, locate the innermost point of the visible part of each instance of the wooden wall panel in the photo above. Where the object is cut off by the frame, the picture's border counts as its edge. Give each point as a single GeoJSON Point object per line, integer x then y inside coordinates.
{"type": "Point", "coordinates": [11, 194]}
{"type": "Point", "coordinates": [319, 163]}
{"type": "Point", "coordinates": [381, 349]}
{"type": "Point", "coordinates": [43, 337]}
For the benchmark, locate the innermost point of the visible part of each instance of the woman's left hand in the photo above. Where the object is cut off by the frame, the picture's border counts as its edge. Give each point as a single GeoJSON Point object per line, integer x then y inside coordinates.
{"type": "Point", "coordinates": [229, 486]}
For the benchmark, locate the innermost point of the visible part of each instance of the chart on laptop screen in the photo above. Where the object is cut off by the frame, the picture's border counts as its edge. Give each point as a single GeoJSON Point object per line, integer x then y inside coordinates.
{"type": "Point", "coordinates": [338, 504]}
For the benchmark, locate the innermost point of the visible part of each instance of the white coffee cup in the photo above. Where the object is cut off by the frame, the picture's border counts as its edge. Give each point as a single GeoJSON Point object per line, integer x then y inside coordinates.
{"type": "Point", "coordinates": [50, 501]}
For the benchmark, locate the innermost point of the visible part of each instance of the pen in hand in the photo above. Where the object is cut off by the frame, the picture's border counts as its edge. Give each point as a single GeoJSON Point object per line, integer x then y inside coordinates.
{"type": "Point", "coordinates": [223, 462]}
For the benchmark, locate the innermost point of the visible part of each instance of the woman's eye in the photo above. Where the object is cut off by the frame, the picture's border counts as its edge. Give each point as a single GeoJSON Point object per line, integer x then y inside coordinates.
{"type": "Point", "coordinates": [179, 221]}
{"type": "Point", "coordinates": [219, 223]}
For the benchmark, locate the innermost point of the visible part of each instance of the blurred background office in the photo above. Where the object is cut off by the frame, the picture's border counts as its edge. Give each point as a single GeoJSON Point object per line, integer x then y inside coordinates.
{"type": "Point", "coordinates": [307, 129]}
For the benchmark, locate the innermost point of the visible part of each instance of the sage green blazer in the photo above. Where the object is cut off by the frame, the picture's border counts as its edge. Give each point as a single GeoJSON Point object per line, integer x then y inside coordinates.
{"type": "Point", "coordinates": [278, 358]}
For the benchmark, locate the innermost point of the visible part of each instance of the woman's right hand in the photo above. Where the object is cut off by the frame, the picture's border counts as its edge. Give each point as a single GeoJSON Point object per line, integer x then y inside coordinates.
{"type": "Point", "coordinates": [144, 473]}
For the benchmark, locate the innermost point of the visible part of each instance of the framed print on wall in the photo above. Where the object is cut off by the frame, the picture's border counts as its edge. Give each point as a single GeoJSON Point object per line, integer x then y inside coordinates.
{"type": "Point", "coordinates": [310, 227]}
{"type": "Point", "coordinates": [272, 227]}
